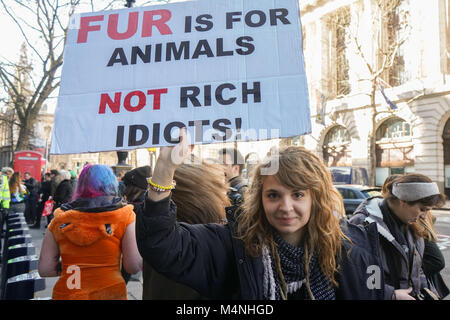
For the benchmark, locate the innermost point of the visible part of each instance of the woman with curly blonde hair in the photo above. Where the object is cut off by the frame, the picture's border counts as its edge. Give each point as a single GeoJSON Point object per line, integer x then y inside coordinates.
{"type": "Point", "coordinates": [303, 174]}
{"type": "Point", "coordinates": [18, 192]}
{"type": "Point", "coordinates": [287, 241]}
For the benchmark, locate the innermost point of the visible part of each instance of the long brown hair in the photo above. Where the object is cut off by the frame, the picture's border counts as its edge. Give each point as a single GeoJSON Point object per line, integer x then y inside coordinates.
{"type": "Point", "coordinates": [200, 193]}
{"type": "Point", "coordinates": [386, 189]}
{"type": "Point", "coordinates": [15, 182]}
{"type": "Point", "coordinates": [300, 169]}
{"type": "Point", "coordinates": [132, 193]}
{"type": "Point", "coordinates": [425, 227]}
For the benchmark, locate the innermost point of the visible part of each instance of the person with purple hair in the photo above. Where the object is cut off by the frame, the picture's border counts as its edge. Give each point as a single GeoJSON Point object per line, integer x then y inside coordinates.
{"type": "Point", "coordinates": [93, 235]}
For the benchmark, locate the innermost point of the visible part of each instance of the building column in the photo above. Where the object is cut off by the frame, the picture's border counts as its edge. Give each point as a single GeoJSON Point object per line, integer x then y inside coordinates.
{"type": "Point", "coordinates": [427, 139]}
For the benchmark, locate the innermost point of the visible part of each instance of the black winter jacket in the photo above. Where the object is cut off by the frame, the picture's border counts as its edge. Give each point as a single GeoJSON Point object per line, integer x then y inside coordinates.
{"type": "Point", "coordinates": [433, 262]}
{"type": "Point", "coordinates": [408, 272]}
{"type": "Point", "coordinates": [210, 259]}
{"type": "Point", "coordinates": [45, 191]}
{"type": "Point", "coordinates": [32, 186]}
{"type": "Point", "coordinates": [63, 193]}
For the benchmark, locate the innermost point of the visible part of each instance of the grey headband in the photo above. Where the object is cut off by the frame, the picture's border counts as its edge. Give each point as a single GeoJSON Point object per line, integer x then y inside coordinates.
{"type": "Point", "coordinates": [413, 191]}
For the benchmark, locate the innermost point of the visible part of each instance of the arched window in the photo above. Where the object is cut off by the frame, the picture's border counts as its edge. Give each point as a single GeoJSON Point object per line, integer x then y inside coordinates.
{"type": "Point", "coordinates": [393, 154]}
{"type": "Point", "coordinates": [336, 147]}
{"type": "Point", "coordinates": [446, 134]}
{"type": "Point", "coordinates": [337, 136]}
{"type": "Point", "coordinates": [393, 128]}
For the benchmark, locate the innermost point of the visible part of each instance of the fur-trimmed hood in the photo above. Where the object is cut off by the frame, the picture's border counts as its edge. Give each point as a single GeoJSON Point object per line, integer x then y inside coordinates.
{"type": "Point", "coordinates": [370, 208]}
{"type": "Point", "coordinates": [83, 224]}
{"type": "Point", "coordinates": [369, 211]}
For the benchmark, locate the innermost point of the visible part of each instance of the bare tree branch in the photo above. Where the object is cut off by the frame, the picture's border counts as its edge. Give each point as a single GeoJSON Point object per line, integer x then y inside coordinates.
{"type": "Point", "coordinates": [27, 87]}
{"type": "Point", "coordinates": [361, 53]}
{"type": "Point", "coordinates": [393, 21]}
{"type": "Point", "coordinates": [19, 25]}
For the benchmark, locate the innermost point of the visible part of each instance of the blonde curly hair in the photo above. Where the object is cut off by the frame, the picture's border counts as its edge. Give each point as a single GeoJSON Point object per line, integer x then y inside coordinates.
{"type": "Point", "coordinates": [298, 169]}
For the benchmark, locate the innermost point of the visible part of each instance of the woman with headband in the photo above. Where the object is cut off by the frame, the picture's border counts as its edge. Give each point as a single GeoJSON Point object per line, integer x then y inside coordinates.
{"type": "Point", "coordinates": [407, 199]}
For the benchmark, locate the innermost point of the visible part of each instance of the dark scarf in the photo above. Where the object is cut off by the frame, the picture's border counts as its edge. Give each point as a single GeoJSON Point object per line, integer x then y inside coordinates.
{"type": "Point", "coordinates": [399, 230]}
{"type": "Point", "coordinates": [292, 266]}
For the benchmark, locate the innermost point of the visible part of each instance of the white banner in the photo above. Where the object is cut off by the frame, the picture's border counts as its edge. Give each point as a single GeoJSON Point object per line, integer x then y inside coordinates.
{"type": "Point", "coordinates": [225, 69]}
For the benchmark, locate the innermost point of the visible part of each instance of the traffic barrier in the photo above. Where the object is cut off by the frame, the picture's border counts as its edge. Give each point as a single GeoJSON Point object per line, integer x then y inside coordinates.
{"type": "Point", "coordinates": [21, 265]}
{"type": "Point", "coordinates": [15, 232]}
{"type": "Point", "coordinates": [17, 225]}
{"type": "Point", "coordinates": [23, 249]}
{"type": "Point", "coordinates": [18, 239]}
{"type": "Point", "coordinates": [15, 220]}
{"type": "Point", "coordinates": [13, 228]}
{"type": "Point", "coordinates": [19, 277]}
{"type": "Point", "coordinates": [24, 286]}
{"type": "Point", "coordinates": [15, 215]}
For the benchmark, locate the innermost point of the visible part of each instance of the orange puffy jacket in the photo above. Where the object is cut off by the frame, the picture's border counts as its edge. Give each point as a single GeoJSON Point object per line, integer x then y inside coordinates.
{"type": "Point", "coordinates": [90, 248]}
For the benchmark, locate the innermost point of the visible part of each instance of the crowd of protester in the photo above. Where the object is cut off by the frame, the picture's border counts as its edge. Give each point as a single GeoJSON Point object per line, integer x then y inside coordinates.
{"type": "Point", "coordinates": [28, 195]}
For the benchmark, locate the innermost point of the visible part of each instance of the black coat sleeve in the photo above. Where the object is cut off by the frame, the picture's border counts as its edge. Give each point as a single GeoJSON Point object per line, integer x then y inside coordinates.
{"type": "Point", "coordinates": [433, 260]}
{"type": "Point", "coordinates": [360, 275]}
{"type": "Point", "coordinates": [63, 192]}
{"type": "Point", "coordinates": [199, 256]}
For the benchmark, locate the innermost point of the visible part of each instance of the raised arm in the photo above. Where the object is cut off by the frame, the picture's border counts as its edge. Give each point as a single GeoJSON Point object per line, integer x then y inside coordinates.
{"type": "Point", "coordinates": [170, 158]}
{"type": "Point", "coordinates": [200, 256]}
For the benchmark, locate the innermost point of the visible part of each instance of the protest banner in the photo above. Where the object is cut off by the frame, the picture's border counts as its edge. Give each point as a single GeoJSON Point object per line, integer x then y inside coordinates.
{"type": "Point", "coordinates": [225, 70]}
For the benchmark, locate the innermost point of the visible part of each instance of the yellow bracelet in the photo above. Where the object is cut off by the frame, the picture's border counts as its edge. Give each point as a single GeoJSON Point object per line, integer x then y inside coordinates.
{"type": "Point", "coordinates": [158, 188]}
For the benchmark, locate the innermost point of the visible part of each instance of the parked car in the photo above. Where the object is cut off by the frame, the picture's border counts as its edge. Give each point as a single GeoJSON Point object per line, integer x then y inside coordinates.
{"type": "Point", "coordinates": [353, 195]}
{"type": "Point", "coordinates": [349, 175]}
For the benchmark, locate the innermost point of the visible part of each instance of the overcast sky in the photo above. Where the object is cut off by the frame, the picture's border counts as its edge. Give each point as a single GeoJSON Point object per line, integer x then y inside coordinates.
{"type": "Point", "coordinates": [11, 38]}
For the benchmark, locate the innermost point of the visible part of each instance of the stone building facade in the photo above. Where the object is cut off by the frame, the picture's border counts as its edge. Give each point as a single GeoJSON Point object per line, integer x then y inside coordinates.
{"type": "Point", "coordinates": [414, 136]}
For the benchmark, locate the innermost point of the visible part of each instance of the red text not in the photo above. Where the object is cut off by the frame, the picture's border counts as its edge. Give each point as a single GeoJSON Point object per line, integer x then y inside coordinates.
{"type": "Point", "coordinates": [139, 101]}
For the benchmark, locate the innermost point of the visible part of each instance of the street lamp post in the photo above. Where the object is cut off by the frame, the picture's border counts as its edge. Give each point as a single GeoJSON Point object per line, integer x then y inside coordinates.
{"type": "Point", "coordinates": [121, 163]}
{"type": "Point", "coordinates": [122, 155]}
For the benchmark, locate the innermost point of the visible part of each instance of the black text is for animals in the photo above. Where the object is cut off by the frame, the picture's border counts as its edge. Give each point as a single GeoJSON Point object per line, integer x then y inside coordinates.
{"type": "Point", "coordinates": [187, 49]}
